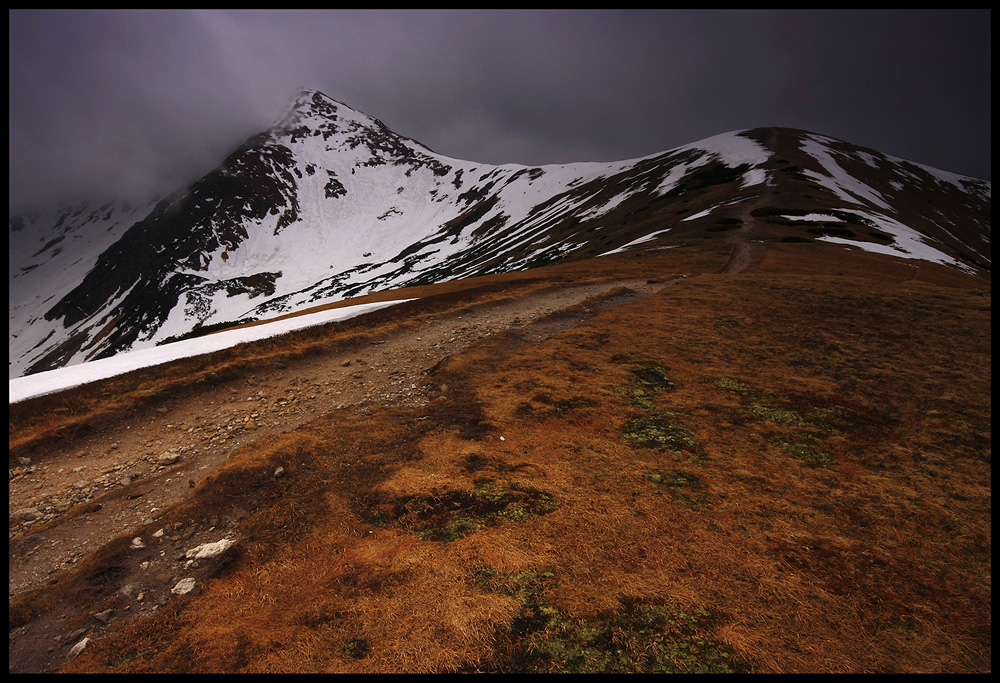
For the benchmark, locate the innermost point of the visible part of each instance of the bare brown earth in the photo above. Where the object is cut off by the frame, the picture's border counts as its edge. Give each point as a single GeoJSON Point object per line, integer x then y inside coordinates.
{"type": "Point", "coordinates": [777, 455]}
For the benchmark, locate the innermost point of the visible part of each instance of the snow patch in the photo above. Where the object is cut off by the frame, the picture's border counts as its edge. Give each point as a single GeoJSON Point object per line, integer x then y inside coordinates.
{"type": "Point", "coordinates": [645, 238]}
{"type": "Point", "coordinates": [837, 180]}
{"type": "Point", "coordinates": [23, 388]}
{"type": "Point", "coordinates": [908, 244]}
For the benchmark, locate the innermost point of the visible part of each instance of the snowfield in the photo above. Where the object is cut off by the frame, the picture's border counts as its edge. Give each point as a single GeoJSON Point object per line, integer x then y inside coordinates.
{"type": "Point", "coordinates": [52, 381]}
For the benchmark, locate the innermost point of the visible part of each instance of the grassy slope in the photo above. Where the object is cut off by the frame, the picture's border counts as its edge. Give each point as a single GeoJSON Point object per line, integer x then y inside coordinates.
{"type": "Point", "coordinates": [784, 470]}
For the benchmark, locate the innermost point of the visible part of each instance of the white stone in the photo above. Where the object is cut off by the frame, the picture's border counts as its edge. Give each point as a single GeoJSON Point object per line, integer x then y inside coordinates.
{"type": "Point", "coordinates": [78, 648]}
{"type": "Point", "coordinates": [209, 549]}
{"type": "Point", "coordinates": [183, 587]}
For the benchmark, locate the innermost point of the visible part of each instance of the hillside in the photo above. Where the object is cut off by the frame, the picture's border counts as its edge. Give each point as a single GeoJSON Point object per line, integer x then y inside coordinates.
{"type": "Point", "coordinates": [743, 447]}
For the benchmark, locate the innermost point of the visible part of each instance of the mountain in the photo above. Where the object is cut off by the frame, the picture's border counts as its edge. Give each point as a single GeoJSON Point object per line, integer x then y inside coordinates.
{"type": "Point", "coordinates": [739, 421]}
{"type": "Point", "coordinates": [329, 204]}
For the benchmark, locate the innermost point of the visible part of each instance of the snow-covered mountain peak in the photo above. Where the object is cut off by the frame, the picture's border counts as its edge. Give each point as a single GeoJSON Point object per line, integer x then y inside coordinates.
{"type": "Point", "coordinates": [331, 204]}
{"type": "Point", "coordinates": [314, 110]}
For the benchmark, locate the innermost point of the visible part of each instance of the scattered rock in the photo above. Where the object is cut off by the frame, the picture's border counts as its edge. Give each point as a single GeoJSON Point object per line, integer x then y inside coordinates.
{"type": "Point", "coordinates": [280, 472]}
{"type": "Point", "coordinates": [137, 543]}
{"type": "Point", "coordinates": [26, 515]}
{"type": "Point", "coordinates": [78, 648]}
{"type": "Point", "coordinates": [183, 587]}
{"type": "Point", "coordinates": [167, 458]}
{"type": "Point", "coordinates": [207, 550]}
{"type": "Point", "coordinates": [74, 635]}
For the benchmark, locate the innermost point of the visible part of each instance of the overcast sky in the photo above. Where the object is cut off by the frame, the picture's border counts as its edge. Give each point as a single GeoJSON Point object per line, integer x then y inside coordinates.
{"type": "Point", "coordinates": [115, 103]}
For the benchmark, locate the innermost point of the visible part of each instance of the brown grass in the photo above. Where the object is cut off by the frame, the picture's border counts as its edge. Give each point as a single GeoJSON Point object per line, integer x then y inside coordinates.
{"type": "Point", "coordinates": [875, 557]}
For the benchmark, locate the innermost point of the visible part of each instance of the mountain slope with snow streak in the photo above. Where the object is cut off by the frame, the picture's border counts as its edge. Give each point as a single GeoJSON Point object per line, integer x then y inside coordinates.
{"type": "Point", "coordinates": [329, 204]}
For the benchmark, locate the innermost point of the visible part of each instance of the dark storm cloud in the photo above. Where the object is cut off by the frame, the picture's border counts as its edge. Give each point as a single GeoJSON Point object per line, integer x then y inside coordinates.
{"type": "Point", "coordinates": [129, 102]}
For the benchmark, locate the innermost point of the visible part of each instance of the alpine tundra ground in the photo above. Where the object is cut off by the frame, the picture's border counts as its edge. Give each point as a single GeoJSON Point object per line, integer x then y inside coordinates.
{"type": "Point", "coordinates": [736, 457]}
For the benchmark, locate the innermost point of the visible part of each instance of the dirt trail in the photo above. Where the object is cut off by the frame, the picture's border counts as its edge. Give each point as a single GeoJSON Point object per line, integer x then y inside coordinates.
{"type": "Point", "coordinates": [741, 255]}
{"type": "Point", "coordinates": [118, 478]}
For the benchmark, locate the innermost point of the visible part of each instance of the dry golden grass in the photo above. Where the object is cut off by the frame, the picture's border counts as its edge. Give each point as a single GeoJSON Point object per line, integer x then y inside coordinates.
{"type": "Point", "coordinates": [786, 470]}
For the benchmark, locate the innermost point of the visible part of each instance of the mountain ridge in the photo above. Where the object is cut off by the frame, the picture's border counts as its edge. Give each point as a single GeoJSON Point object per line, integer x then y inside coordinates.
{"type": "Point", "coordinates": [330, 204]}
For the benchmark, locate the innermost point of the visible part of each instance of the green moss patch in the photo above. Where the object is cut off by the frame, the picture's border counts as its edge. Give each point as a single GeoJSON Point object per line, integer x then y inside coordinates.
{"type": "Point", "coordinates": [653, 377]}
{"type": "Point", "coordinates": [355, 648]}
{"type": "Point", "coordinates": [646, 380]}
{"type": "Point", "coordinates": [675, 480]}
{"type": "Point", "coordinates": [660, 432]}
{"type": "Point", "coordinates": [776, 414]}
{"type": "Point", "coordinates": [544, 405]}
{"type": "Point", "coordinates": [811, 420]}
{"type": "Point", "coordinates": [526, 587]}
{"type": "Point", "coordinates": [655, 428]}
{"type": "Point", "coordinates": [450, 515]}
{"type": "Point", "coordinates": [805, 448]}
{"type": "Point", "coordinates": [730, 384]}
{"type": "Point", "coordinates": [641, 637]}
{"type": "Point", "coordinates": [686, 487]}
